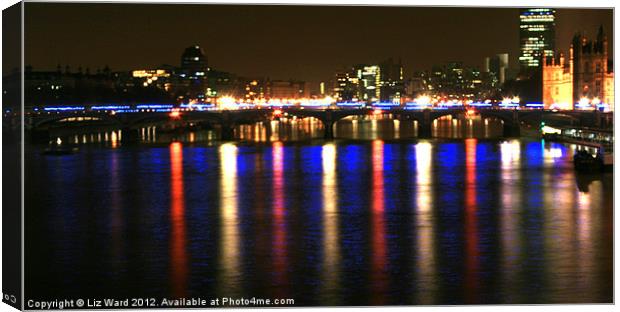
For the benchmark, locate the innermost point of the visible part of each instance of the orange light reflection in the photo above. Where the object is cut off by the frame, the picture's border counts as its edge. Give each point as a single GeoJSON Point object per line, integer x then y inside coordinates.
{"type": "Point", "coordinates": [471, 226]}
{"type": "Point", "coordinates": [379, 250]}
{"type": "Point", "coordinates": [178, 240]}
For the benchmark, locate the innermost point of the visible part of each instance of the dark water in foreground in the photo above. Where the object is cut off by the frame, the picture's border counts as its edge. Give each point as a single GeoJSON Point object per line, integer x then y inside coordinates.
{"type": "Point", "coordinates": [347, 222]}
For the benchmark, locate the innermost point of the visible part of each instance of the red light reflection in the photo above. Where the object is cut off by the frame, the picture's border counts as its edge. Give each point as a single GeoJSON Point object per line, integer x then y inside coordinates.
{"type": "Point", "coordinates": [178, 240]}
{"type": "Point", "coordinates": [379, 250]}
{"type": "Point", "coordinates": [279, 220]}
{"type": "Point", "coordinates": [471, 226]}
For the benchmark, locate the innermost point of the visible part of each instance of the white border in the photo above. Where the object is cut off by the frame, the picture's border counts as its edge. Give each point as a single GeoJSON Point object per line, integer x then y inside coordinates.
{"type": "Point", "coordinates": [467, 3]}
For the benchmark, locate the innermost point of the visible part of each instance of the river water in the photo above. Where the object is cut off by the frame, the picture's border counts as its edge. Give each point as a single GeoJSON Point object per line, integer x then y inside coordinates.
{"type": "Point", "coordinates": [374, 217]}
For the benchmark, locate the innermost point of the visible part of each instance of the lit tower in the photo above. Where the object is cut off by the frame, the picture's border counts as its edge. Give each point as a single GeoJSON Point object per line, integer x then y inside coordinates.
{"type": "Point", "coordinates": [537, 37]}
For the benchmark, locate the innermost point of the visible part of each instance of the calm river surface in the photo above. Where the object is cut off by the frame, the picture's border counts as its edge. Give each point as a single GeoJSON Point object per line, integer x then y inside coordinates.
{"type": "Point", "coordinates": [361, 220]}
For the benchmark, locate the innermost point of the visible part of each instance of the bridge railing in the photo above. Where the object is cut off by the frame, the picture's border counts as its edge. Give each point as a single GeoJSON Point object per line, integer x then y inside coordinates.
{"type": "Point", "coordinates": [166, 107]}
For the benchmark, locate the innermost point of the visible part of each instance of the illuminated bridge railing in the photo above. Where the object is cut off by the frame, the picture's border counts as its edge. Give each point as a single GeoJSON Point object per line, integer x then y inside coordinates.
{"type": "Point", "coordinates": [309, 105]}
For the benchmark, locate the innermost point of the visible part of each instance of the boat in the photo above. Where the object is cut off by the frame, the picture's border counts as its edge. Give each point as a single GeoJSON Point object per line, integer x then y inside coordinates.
{"type": "Point", "coordinates": [594, 146]}
{"type": "Point", "coordinates": [579, 135]}
{"type": "Point", "coordinates": [586, 162]}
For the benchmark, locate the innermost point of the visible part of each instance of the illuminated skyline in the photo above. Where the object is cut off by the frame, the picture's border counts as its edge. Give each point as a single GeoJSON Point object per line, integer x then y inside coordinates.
{"type": "Point", "coordinates": [252, 40]}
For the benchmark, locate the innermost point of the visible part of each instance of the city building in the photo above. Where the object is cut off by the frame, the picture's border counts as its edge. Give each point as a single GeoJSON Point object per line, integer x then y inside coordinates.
{"type": "Point", "coordinates": [280, 89]}
{"type": "Point", "coordinates": [153, 77]}
{"type": "Point", "coordinates": [593, 71]}
{"type": "Point", "coordinates": [255, 89]}
{"type": "Point", "coordinates": [498, 66]}
{"type": "Point", "coordinates": [587, 79]}
{"type": "Point", "coordinates": [191, 77]}
{"type": "Point", "coordinates": [221, 83]}
{"type": "Point", "coordinates": [83, 87]}
{"type": "Point", "coordinates": [452, 81]}
{"type": "Point", "coordinates": [371, 83]}
{"type": "Point", "coordinates": [392, 85]}
{"type": "Point", "coordinates": [194, 62]}
{"type": "Point", "coordinates": [557, 77]}
{"type": "Point", "coordinates": [417, 85]}
{"type": "Point", "coordinates": [346, 86]}
{"type": "Point", "coordinates": [537, 37]}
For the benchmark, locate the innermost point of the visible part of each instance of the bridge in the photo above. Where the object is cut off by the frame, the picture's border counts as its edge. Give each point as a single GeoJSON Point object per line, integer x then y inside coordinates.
{"type": "Point", "coordinates": [39, 122]}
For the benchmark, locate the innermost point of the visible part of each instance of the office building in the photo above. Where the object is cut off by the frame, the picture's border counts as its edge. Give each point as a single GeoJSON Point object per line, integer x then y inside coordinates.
{"type": "Point", "coordinates": [371, 83]}
{"type": "Point", "coordinates": [191, 77]}
{"type": "Point", "coordinates": [537, 37]}
{"type": "Point", "coordinates": [392, 86]}
{"type": "Point", "coordinates": [346, 86]}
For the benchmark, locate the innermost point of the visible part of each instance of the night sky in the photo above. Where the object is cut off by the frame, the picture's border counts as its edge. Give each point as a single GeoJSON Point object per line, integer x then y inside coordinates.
{"type": "Point", "coordinates": [301, 42]}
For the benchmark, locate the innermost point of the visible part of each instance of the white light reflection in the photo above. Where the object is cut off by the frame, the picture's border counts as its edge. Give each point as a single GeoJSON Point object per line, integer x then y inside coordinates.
{"type": "Point", "coordinates": [551, 153]}
{"type": "Point", "coordinates": [559, 228]}
{"type": "Point", "coordinates": [331, 249]}
{"type": "Point", "coordinates": [229, 237]}
{"type": "Point", "coordinates": [373, 128]}
{"type": "Point", "coordinates": [426, 266]}
{"type": "Point", "coordinates": [396, 128]}
{"type": "Point", "coordinates": [114, 139]}
{"type": "Point", "coordinates": [509, 216]}
{"type": "Point", "coordinates": [275, 130]}
{"type": "Point", "coordinates": [587, 217]}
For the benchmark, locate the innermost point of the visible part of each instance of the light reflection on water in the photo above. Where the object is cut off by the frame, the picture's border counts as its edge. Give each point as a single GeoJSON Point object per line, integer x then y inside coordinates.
{"type": "Point", "coordinates": [229, 222]}
{"type": "Point", "coordinates": [379, 260]}
{"type": "Point", "coordinates": [330, 279]}
{"type": "Point", "coordinates": [482, 221]}
{"type": "Point", "coordinates": [178, 235]}
{"type": "Point", "coordinates": [426, 262]}
{"type": "Point", "coordinates": [511, 210]}
{"type": "Point", "coordinates": [279, 216]}
{"type": "Point", "coordinates": [471, 224]}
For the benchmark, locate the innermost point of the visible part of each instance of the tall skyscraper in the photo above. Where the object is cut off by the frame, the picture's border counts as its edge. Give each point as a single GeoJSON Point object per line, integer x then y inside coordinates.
{"type": "Point", "coordinates": [537, 37]}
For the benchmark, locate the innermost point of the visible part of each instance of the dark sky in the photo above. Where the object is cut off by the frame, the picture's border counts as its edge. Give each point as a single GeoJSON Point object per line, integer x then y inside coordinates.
{"type": "Point", "coordinates": [282, 42]}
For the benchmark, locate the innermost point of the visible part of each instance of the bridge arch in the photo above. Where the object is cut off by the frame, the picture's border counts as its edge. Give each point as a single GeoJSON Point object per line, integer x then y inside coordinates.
{"type": "Point", "coordinates": [509, 118]}
{"type": "Point", "coordinates": [328, 117]}
{"type": "Point", "coordinates": [46, 122]}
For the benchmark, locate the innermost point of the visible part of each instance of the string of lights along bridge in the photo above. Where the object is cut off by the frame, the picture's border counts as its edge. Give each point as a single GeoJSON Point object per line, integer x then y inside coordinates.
{"type": "Point", "coordinates": [229, 103]}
